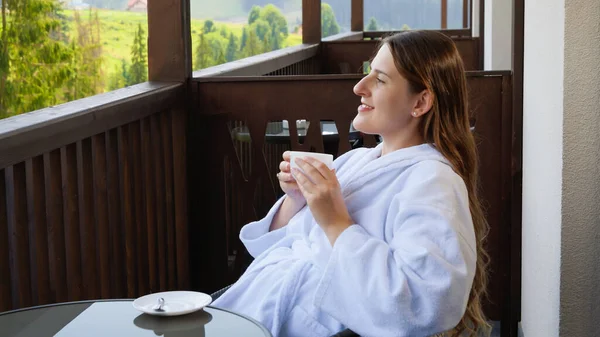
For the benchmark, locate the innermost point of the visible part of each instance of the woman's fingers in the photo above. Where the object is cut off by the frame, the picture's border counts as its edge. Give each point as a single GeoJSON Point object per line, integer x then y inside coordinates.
{"type": "Point", "coordinates": [284, 166]}
{"type": "Point", "coordinates": [285, 177]}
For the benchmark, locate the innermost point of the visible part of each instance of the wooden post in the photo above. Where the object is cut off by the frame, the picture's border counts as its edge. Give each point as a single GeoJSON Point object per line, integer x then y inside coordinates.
{"type": "Point", "coordinates": [465, 13]}
{"type": "Point", "coordinates": [481, 32]}
{"type": "Point", "coordinates": [169, 45]}
{"type": "Point", "coordinates": [311, 21]}
{"type": "Point", "coordinates": [357, 20]}
{"type": "Point", "coordinates": [444, 4]}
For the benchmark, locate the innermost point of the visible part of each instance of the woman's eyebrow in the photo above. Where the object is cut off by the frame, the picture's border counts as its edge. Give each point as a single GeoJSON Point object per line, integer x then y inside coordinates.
{"type": "Point", "coordinates": [379, 71]}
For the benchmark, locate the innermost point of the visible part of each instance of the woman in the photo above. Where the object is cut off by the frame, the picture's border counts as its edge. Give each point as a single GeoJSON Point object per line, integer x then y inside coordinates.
{"type": "Point", "coordinates": [389, 242]}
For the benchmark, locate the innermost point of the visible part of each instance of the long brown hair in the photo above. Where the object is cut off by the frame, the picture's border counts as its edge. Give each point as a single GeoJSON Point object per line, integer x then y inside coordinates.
{"type": "Point", "coordinates": [430, 61]}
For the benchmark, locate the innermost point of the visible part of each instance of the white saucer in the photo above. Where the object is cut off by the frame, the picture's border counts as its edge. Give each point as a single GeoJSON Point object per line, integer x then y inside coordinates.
{"type": "Point", "coordinates": [176, 302]}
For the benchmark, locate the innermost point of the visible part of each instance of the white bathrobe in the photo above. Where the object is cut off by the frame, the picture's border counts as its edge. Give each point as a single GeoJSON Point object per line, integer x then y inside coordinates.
{"type": "Point", "coordinates": [405, 268]}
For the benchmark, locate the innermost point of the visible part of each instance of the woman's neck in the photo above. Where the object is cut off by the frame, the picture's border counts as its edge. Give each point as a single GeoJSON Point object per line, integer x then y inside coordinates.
{"type": "Point", "coordinates": [391, 144]}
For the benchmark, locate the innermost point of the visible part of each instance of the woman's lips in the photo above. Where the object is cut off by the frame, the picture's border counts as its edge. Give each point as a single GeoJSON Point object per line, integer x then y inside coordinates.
{"type": "Point", "coordinates": [364, 108]}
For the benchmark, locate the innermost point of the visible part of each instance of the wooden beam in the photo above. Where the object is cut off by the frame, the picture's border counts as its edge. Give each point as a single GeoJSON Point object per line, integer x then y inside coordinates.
{"type": "Point", "coordinates": [169, 51]}
{"type": "Point", "coordinates": [357, 20]}
{"type": "Point", "coordinates": [311, 21]}
{"type": "Point", "coordinates": [518, 41]}
{"type": "Point", "coordinates": [444, 4]}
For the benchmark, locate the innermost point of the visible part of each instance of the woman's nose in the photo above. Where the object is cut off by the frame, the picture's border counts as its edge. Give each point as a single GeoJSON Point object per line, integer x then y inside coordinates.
{"type": "Point", "coordinates": [360, 88]}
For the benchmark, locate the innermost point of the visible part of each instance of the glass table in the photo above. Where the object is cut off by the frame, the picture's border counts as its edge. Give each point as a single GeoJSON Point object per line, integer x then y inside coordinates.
{"type": "Point", "coordinates": [119, 318]}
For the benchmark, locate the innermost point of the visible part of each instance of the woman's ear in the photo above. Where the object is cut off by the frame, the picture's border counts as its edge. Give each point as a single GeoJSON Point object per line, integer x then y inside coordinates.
{"type": "Point", "coordinates": [423, 104]}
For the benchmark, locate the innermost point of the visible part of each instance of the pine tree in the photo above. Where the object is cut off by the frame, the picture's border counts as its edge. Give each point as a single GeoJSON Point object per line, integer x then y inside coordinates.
{"type": "Point", "coordinates": [232, 48]}
{"type": "Point", "coordinates": [120, 77]}
{"type": "Point", "coordinates": [244, 38]}
{"type": "Point", "coordinates": [138, 72]}
{"type": "Point", "coordinates": [34, 63]}
{"type": "Point", "coordinates": [204, 57]}
{"type": "Point", "coordinates": [253, 45]}
{"type": "Point", "coordinates": [87, 77]}
{"type": "Point", "coordinates": [372, 25]}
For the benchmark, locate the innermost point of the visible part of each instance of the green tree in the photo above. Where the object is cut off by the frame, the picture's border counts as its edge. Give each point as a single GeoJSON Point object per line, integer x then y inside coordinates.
{"type": "Point", "coordinates": [244, 38]}
{"type": "Point", "coordinates": [209, 26]}
{"type": "Point", "coordinates": [279, 27]}
{"type": "Point", "coordinates": [138, 71]}
{"type": "Point", "coordinates": [254, 14]}
{"type": "Point", "coordinates": [120, 77]}
{"type": "Point", "coordinates": [372, 26]}
{"type": "Point", "coordinates": [232, 48]}
{"type": "Point", "coordinates": [261, 28]}
{"type": "Point", "coordinates": [34, 66]}
{"type": "Point", "coordinates": [86, 78]}
{"type": "Point", "coordinates": [329, 25]}
{"type": "Point", "coordinates": [405, 27]}
{"type": "Point", "coordinates": [224, 31]}
{"type": "Point", "coordinates": [203, 54]}
{"type": "Point", "coordinates": [218, 52]}
{"type": "Point", "coordinates": [253, 45]}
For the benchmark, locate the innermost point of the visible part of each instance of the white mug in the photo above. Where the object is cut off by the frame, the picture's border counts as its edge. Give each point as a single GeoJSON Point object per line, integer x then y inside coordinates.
{"type": "Point", "coordinates": [326, 158]}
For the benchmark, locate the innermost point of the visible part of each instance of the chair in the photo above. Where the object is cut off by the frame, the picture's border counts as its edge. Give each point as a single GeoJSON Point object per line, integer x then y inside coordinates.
{"type": "Point", "coordinates": [343, 333]}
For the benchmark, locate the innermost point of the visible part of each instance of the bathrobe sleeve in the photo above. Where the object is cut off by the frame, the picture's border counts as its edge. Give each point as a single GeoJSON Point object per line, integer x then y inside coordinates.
{"type": "Point", "coordinates": [256, 236]}
{"type": "Point", "coordinates": [417, 283]}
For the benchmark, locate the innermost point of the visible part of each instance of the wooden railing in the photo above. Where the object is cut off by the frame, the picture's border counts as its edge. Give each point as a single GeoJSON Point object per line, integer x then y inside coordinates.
{"type": "Point", "coordinates": [93, 198]}
{"type": "Point", "coordinates": [343, 57]}
{"type": "Point", "coordinates": [93, 193]}
{"type": "Point", "coordinates": [375, 35]}
{"type": "Point", "coordinates": [241, 176]}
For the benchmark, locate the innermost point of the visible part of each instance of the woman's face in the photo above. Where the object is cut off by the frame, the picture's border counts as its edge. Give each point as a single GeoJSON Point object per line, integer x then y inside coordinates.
{"type": "Point", "coordinates": [388, 104]}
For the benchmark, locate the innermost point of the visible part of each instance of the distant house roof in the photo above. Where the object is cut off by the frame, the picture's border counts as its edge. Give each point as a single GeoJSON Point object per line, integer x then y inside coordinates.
{"type": "Point", "coordinates": [138, 3]}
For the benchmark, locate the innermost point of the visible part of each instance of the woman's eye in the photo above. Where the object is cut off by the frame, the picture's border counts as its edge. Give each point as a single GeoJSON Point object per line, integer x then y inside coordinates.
{"type": "Point", "coordinates": [379, 80]}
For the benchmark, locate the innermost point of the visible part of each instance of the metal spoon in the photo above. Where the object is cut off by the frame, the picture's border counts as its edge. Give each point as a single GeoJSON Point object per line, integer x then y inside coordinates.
{"type": "Point", "coordinates": [159, 306]}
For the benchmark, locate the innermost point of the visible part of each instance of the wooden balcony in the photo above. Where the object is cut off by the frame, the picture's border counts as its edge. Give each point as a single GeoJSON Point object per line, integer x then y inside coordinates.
{"type": "Point", "coordinates": [145, 189]}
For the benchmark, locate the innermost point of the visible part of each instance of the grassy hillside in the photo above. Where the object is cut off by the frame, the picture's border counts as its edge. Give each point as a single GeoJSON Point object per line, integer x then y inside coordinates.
{"type": "Point", "coordinates": [118, 29]}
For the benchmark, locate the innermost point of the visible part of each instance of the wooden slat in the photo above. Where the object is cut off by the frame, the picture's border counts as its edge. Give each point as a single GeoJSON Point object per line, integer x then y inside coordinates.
{"type": "Point", "coordinates": [87, 222]}
{"type": "Point", "coordinates": [19, 238]}
{"type": "Point", "coordinates": [57, 262]}
{"type": "Point", "coordinates": [101, 211]}
{"type": "Point", "coordinates": [157, 156]}
{"type": "Point", "coordinates": [357, 16]}
{"type": "Point", "coordinates": [140, 216]}
{"type": "Point", "coordinates": [150, 198]}
{"type": "Point", "coordinates": [128, 210]}
{"type": "Point", "coordinates": [118, 280]}
{"type": "Point", "coordinates": [180, 187]}
{"type": "Point", "coordinates": [71, 226]}
{"type": "Point", "coordinates": [38, 234]}
{"type": "Point", "coordinates": [5, 282]}
{"type": "Point", "coordinates": [311, 21]}
{"type": "Point", "coordinates": [166, 128]}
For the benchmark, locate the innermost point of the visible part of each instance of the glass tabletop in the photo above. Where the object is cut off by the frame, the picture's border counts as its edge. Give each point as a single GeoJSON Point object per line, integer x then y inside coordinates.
{"type": "Point", "coordinates": [119, 318]}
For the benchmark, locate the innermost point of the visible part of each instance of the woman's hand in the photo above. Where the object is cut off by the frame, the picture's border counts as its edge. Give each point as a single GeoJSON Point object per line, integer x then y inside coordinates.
{"type": "Point", "coordinates": [321, 189]}
{"type": "Point", "coordinates": [287, 182]}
